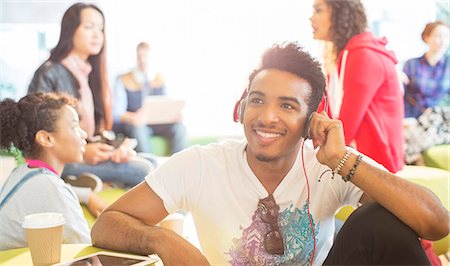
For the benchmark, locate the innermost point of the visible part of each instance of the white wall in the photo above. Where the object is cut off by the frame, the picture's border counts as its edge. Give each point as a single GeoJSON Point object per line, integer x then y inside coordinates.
{"type": "Point", "coordinates": [204, 48]}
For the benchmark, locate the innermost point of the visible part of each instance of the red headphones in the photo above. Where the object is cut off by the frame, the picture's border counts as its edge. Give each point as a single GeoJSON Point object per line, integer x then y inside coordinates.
{"type": "Point", "coordinates": [239, 107]}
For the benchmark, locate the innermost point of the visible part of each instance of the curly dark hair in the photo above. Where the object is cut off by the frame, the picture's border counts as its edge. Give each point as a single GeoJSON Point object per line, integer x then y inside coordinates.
{"type": "Point", "coordinates": [292, 58]}
{"type": "Point", "coordinates": [20, 121]}
{"type": "Point", "coordinates": [347, 20]}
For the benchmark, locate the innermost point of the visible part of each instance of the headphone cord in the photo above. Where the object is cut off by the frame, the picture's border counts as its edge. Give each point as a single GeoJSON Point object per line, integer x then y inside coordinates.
{"type": "Point", "coordinates": [308, 202]}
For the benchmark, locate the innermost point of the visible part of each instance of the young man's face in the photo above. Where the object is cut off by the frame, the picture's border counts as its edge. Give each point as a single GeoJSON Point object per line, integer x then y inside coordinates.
{"type": "Point", "coordinates": [275, 114]}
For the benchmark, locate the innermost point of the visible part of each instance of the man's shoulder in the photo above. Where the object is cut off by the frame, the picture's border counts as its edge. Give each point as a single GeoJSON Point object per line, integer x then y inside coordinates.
{"type": "Point", "coordinates": [129, 81]}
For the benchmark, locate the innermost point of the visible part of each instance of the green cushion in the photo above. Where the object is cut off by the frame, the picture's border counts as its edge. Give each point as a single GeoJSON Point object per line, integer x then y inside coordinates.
{"type": "Point", "coordinates": [438, 156]}
{"type": "Point", "coordinates": [437, 180]}
{"type": "Point", "coordinates": [160, 146]}
{"type": "Point", "coordinates": [204, 140]}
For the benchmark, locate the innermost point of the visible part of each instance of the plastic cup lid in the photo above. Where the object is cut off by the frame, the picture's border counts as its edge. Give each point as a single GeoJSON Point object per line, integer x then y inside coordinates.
{"type": "Point", "coordinates": [43, 220]}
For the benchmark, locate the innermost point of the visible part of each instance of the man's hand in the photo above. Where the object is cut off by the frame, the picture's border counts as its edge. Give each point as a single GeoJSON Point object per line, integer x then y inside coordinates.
{"type": "Point", "coordinates": [328, 135]}
{"type": "Point", "coordinates": [97, 152]}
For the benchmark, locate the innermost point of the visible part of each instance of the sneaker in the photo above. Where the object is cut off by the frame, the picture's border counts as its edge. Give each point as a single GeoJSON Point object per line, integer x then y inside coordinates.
{"type": "Point", "coordinates": [85, 180]}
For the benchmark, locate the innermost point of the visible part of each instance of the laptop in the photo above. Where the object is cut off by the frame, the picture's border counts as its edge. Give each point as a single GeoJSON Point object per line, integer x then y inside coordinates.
{"type": "Point", "coordinates": [162, 109]}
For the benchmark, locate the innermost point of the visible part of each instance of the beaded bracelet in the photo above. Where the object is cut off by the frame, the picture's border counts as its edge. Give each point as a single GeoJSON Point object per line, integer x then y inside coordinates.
{"type": "Point", "coordinates": [352, 171]}
{"type": "Point", "coordinates": [341, 163]}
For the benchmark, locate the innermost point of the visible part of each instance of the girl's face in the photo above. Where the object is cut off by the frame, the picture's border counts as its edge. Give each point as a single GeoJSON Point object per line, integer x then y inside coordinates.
{"type": "Point", "coordinates": [438, 39]}
{"type": "Point", "coordinates": [89, 36]}
{"type": "Point", "coordinates": [69, 138]}
{"type": "Point", "coordinates": [321, 20]}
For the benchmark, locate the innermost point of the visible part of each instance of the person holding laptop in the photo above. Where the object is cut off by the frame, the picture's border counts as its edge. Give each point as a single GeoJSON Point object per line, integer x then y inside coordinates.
{"type": "Point", "coordinates": [129, 117]}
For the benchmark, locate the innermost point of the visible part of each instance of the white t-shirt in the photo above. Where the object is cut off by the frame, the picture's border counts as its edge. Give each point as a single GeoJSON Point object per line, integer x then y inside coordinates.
{"type": "Point", "coordinates": [216, 184]}
{"type": "Point", "coordinates": [44, 192]}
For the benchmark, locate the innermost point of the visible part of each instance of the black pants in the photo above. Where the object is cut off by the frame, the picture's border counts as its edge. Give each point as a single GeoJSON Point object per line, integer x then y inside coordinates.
{"type": "Point", "coordinates": [374, 236]}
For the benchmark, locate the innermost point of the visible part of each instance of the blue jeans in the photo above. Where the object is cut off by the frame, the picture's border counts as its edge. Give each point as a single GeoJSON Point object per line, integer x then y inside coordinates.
{"type": "Point", "coordinates": [127, 174]}
{"type": "Point", "coordinates": [175, 133]}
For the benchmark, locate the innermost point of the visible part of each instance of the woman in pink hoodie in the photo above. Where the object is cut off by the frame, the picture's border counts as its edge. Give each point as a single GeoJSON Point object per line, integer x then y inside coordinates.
{"type": "Point", "coordinates": [366, 92]}
{"type": "Point", "coordinates": [364, 89]}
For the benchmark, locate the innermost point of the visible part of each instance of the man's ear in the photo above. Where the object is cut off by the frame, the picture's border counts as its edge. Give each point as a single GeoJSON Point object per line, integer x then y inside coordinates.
{"type": "Point", "coordinates": [44, 138]}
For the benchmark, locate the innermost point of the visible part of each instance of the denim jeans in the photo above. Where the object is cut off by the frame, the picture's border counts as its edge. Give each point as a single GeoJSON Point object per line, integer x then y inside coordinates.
{"type": "Point", "coordinates": [127, 174]}
{"type": "Point", "coordinates": [175, 133]}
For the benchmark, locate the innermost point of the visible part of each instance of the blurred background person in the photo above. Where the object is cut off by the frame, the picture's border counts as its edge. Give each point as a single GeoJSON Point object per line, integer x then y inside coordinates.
{"type": "Point", "coordinates": [77, 66]}
{"type": "Point", "coordinates": [129, 92]}
{"type": "Point", "coordinates": [427, 78]}
{"type": "Point", "coordinates": [426, 82]}
{"type": "Point", "coordinates": [366, 95]}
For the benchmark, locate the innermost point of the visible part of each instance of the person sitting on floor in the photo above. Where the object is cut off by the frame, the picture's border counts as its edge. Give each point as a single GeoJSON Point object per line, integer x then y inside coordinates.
{"type": "Point", "coordinates": [77, 66]}
{"type": "Point", "coordinates": [129, 93]}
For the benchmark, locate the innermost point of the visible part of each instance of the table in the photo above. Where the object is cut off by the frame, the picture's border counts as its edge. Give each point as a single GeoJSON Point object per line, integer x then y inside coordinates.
{"type": "Point", "coordinates": [22, 256]}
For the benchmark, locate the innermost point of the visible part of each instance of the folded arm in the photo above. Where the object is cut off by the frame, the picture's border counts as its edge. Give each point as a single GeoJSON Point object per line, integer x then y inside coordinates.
{"type": "Point", "coordinates": [129, 225]}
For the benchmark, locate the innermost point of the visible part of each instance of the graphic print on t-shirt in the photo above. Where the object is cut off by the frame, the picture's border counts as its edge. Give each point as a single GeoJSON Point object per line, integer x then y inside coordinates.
{"type": "Point", "coordinates": [297, 236]}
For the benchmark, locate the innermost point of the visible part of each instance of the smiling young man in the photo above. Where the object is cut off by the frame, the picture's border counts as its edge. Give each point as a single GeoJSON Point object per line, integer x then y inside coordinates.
{"type": "Point", "coordinates": [271, 199]}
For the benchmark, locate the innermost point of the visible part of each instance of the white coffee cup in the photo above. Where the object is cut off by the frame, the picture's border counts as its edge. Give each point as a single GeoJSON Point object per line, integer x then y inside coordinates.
{"type": "Point", "coordinates": [44, 233]}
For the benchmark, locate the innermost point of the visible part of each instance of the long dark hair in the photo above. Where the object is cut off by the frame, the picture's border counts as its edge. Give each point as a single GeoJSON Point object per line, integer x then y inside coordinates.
{"type": "Point", "coordinates": [20, 121]}
{"type": "Point", "coordinates": [98, 77]}
{"type": "Point", "coordinates": [347, 20]}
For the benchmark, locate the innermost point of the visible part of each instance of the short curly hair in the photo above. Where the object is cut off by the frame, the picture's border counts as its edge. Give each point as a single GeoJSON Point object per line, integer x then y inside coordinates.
{"type": "Point", "coordinates": [291, 57]}
{"type": "Point", "coordinates": [348, 19]}
{"type": "Point", "coordinates": [20, 121]}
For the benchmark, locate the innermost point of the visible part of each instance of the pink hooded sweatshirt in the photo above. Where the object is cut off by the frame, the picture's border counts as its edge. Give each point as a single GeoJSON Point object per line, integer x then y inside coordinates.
{"type": "Point", "coordinates": [372, 104]}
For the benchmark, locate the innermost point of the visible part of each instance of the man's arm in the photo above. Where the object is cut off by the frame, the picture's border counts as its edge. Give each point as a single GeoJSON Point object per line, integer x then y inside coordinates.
{"type": "Point", "coordinates": [415, 205]}
{"type": "Point", "coordinates": [128, 225]}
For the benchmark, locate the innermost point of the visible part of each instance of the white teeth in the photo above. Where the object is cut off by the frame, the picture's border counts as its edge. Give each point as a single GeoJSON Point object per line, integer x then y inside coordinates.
{"type": "Point", "coordinates": [267, 135]}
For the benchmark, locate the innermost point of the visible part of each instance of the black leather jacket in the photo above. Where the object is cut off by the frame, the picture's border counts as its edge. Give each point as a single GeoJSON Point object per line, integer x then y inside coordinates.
{"type": "Point", "coordinates": [54, 77]}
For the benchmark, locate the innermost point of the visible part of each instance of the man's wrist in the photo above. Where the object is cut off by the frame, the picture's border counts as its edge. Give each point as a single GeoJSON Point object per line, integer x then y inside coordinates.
{"type": "Point", "coordinates": [341, 162]}
{"type": "Point", "coordinates": [345, 171]}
